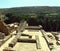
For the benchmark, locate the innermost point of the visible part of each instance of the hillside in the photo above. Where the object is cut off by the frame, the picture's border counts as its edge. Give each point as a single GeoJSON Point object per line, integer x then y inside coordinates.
{"type": "Point", "coordinates": [30, 10]}
{"type": "Point", "coordinates": [48, 17]}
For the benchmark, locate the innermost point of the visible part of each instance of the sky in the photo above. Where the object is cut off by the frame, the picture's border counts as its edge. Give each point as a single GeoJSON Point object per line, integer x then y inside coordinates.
{"type": "Point", "coordinates": [23, 3]}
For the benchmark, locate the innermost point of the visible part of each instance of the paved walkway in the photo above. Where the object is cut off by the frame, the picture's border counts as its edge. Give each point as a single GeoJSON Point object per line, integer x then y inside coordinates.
{"type": "Point", "coordinates": [6, 43]}
{"type": "Point", "coordinates": [43, 43]}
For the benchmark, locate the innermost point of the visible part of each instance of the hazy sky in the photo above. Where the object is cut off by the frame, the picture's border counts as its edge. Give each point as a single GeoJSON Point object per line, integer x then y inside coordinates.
{"type": "Point", "coordinates": [22, 3]}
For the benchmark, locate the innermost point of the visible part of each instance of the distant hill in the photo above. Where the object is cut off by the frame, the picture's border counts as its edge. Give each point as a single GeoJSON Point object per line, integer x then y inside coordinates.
{"type": "Point", "coordinates": [30, 10]}
{"type": "Point", "coordinates": [51, 22]}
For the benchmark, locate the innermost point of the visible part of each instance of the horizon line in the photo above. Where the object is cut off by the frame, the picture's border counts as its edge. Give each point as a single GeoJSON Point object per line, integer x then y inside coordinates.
{"type": "Point", "coordinates": [27, 6]}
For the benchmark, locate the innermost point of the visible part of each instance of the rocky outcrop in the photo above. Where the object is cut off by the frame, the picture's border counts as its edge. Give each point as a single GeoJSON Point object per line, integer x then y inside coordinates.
{"type": "Point", "coordinates": [4, 28]}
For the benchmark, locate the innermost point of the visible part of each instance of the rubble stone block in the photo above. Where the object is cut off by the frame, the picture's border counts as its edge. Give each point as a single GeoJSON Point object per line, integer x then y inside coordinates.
{"type": "Point", "coordinates": [13, 42]}
{"type": "Point", "coordinates": [2, 35]}
{"type": "Point", "coordinates": [8, 49]}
